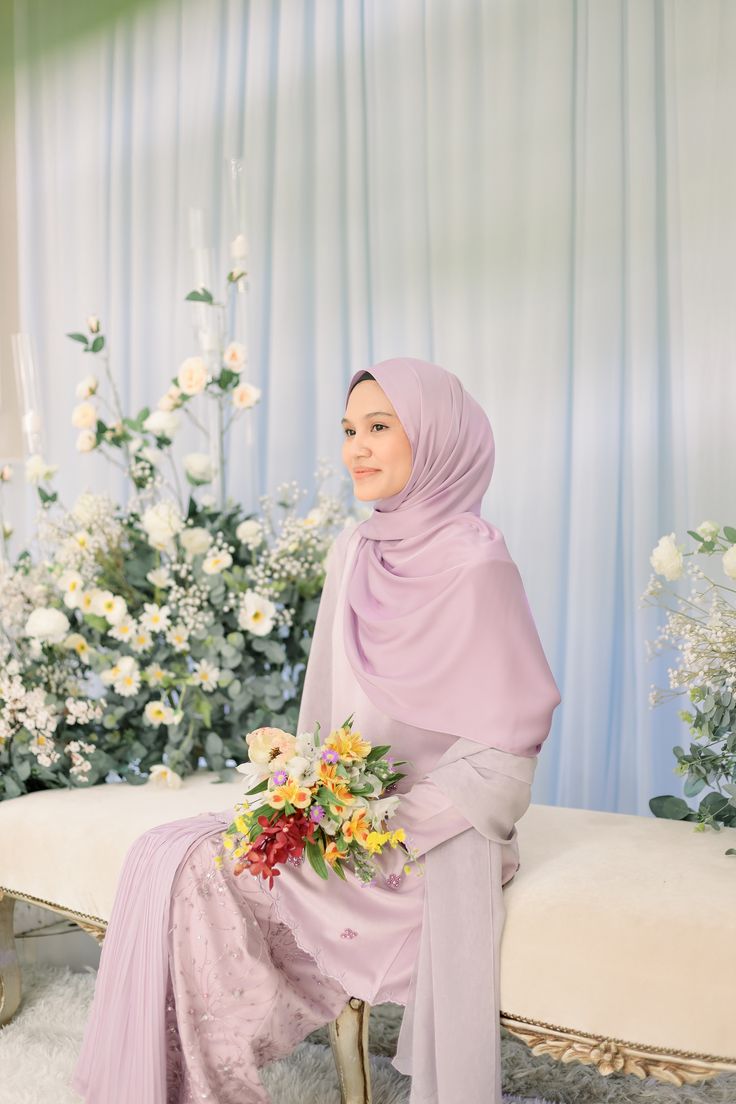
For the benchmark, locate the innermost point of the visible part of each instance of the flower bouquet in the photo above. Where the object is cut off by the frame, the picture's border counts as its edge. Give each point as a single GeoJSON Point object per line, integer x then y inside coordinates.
{"type": "Point", "coordinates": [326, 800]}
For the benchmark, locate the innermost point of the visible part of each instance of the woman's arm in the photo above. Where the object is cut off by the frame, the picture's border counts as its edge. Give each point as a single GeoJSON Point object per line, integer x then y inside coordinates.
{"type": "Point", "coordinates": [428, 816]}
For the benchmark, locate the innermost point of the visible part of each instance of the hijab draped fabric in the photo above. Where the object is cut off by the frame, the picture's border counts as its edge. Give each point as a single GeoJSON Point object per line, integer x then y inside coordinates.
{"type": "Point", "coordinates": [438, 629]}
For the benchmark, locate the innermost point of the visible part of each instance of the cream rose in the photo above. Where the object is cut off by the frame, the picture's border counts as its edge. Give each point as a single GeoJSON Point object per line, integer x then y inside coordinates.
{"type": "Point", "coordinates": [729, 562]}
{"type": "Point", "coordinates": [86, 439]}
{"type": "Point", "coordinates": [87, 386]}
{"type": "Point", "coordinates": [235, 356]}
{"type": "Point", "coordinates": [162, 522]}
{"type": "Point", "coordinates": [666, 558]}
{"type": "Point", "coordinates": [245, 395]}
{"type": "Point", "coordinates": [195, 540]}
{"type": "Point", "coordinates": [192, 377]}
{"type": "Point", "coordinates": [164, 423]}
{"type": "Point", "coordinates": [37, 470]}
{"type": "Point", "coordinates": [84, 416]}
{"type": "Point", "coordinates": [250, 533]}
{"type": "Point", "coordinates": [199, 467]}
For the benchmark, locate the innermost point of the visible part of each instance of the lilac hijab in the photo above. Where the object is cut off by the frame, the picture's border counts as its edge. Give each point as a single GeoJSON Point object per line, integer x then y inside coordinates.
{"type": "Point", "coordinates": [438, 629]}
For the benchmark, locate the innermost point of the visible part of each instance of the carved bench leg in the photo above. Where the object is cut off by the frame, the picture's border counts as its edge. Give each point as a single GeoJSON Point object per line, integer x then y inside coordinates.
{"type": "Point", "coordinates": [10, 985]}
{"type": "Point", "coordinates": [349, 1042]}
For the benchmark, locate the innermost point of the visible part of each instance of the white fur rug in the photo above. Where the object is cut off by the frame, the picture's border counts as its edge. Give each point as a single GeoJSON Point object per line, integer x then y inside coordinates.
{"type": "Point", "coordinates": [38, 1049]}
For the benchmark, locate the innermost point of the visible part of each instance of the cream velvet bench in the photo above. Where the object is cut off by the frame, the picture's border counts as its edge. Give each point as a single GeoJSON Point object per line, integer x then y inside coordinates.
{"type": "Point", "coordinates": [603, 919]}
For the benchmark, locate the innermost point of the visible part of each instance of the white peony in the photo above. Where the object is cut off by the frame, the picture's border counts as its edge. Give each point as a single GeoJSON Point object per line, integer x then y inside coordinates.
{"type": "Point", "coordinates": [256, 613]}
{"type": "Point", "coordinates": [216, 562]}
{"type": "Point", "coordinates": [235, 356]}
{"type": "Point", "coordinates": [250, 533]}
{"type": "Point", "coordinates": [666, 558]}
{"type": "Point", "coordinates": [195, 540]}
{"type": "Point", "coordinates": [46, 623]}
{"type": "Point", "coordinates": [245, 395]}
{"type": "Point", "coordinates": [162, 522]}
{"type": "Point", "coordinates": [84, 416]}
{"type": "Point", "coordinates": [193, 376]}
{"type": "Point", "coordinates": [87, 386]}
{"type": "Point", "coordinates": [37, 470]}
{"type": "Point", "coordinates": [163, 423]}
{"type": "Point", "coordinates": [86, 440]}
{"type": "Point", "coordinates": [161, 775]}
{"type": "Point", "coordinates": [708, 530]}
{"type": "Point", "coordinates": [729, 562]}
{"type": "Point", "coordinates": [199, 467]}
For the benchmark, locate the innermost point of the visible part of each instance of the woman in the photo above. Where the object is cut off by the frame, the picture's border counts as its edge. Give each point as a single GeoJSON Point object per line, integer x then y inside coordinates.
{"type": "Point", "coordinates": [424, 633]}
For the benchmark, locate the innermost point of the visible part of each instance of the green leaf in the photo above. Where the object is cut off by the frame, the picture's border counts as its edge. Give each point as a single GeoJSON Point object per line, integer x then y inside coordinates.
{"type": "Point", "coordinates": [78, 337]}
{"type": "Point", "coordinates": [98, 344]}
{"type": "Point", "coordinates": [316, 858]}
{"type": "Point", "coordinates": [213, 744]}
{"type": "Point", "coordinates": [201, 295]}
{"type": "Point", "coordinates": [671, 808]}
{"type": "Point", "coordinates": [730, 533]}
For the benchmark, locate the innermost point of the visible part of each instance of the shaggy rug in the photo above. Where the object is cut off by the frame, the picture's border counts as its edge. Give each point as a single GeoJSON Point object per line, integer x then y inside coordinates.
{"type": "Point", "coordinates": [38, 1049]}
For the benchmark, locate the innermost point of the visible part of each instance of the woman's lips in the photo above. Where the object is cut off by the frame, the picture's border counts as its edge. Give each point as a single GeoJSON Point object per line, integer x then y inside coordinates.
{"type": "Point", "coordinates": [362, 474]}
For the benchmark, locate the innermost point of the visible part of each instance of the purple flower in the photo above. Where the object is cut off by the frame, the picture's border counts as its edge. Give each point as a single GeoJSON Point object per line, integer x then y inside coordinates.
{"type": "Point", "coordinates": [280, 777]}
{"type": "Point", "coordinates": [316, 813]}
{"type": "Point", "coordinates": [329, 755]}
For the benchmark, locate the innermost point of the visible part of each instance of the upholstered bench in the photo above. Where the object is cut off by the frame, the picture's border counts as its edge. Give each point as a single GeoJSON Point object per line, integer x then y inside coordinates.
{"type": "Point", "coordinates": [603, 918]}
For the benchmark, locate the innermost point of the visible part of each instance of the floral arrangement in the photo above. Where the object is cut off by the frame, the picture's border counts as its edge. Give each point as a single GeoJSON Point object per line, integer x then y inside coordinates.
{"type": "Point", "coordinates": [328, 801]}
{"type": "Point", "coordinates": [701, 627]}
{"type": "Point", "coordinates": [141, 641]}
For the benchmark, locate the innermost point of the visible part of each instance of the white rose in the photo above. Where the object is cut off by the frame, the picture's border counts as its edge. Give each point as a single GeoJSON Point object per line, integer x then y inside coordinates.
{"type": "Point", "coordinates": [164, 423]}
{"type": "Point", "coordinates": [87, 386]}
{"type": "Point", "coordinates": [199, 467]}
{"type": "Point", "coordinates": [37, 470]}
{"type": "Point", "coordinates": [239, 248]}
{"type": "Point", "coordinates": [86, 440]}
{"type": "Point", "coordinates": [193, 375]}
{"type": "Point", "coordinates": [250, 533]}
{"type": "Point", "coordinates": [708, 530]}
{"type": "Point", "coordinates": [246, 395]}
{"type": "Point", "coordinates": [256, 614]}
{"type": "Point", "coordinates": [235, 356]}
{"type": "Point", "coordinates": [162, 522]}
{"type": "Point", "coordinates": [93, 323]}
{"type": "Point", "coordinates": [195, 540]}
{"type": "Point", "coordinates": [729, 562]}
{"type": "Point", "coordinates": [48, 624]}
{"type": "Point", "coordinates": [6, 473]}
{"type": "Point", "coordinates": [666, 558]}
{"type": "Point", "coordinates": [84, 416]}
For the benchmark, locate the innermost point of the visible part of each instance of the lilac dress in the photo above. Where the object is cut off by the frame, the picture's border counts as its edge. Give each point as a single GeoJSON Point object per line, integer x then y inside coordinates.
{"type": "Point", "coordinates": [206, 977]}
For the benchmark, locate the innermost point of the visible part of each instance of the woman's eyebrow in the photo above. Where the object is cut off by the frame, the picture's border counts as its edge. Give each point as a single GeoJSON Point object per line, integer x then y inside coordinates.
{"type": "Point", "coordinates": [372, 413]}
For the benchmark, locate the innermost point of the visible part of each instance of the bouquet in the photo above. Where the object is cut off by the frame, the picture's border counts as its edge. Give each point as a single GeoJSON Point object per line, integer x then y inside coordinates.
{"type": "Point", "coordinates": [327, 801]}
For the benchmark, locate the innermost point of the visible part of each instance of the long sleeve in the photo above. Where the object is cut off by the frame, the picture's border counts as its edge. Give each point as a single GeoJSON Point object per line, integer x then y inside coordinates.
{"type": "Point", "coordinates": [428, 816]}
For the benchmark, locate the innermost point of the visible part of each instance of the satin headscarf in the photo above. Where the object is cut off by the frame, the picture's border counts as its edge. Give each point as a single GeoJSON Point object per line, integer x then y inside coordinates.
{"type": "Point", "coordinates": [436, 623]}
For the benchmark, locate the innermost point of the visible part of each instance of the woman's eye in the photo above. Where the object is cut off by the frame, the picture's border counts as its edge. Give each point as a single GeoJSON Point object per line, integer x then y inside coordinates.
{"type": "Point", "coordinates": [348, 430]}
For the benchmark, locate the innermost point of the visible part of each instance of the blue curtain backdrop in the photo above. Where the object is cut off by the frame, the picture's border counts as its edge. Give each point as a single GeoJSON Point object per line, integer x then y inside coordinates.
{"type": "Point", "coordinates": [537, 194]}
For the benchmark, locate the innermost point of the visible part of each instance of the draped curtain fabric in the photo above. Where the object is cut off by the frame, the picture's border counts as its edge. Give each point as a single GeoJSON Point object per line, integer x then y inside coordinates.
{"type": "Point", "coordinates": [537, 195]}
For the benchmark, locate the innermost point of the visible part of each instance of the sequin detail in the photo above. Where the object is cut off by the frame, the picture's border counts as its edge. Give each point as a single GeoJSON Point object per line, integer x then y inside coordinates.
{"type": "Point", "coordinates": [394, 880]}
{"type": "Point", "coordinates": [349, 933]}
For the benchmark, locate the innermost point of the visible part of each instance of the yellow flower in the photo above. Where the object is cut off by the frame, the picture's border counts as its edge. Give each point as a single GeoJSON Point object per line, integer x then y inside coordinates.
{"type": "Point", "coordinates": [228, 842]}
{"type": "Point", "coordinates": [357, 827]}
{"type": "Point", "coordinates": [240, 824]}
{"type": "Point", "coordinates": [350, 746]}
{"type": "Point", "coordinates": [332, 853]}
{"type": "Point", "coordinates": [397, 837]}
{"type": "Point", "coordinates": [218, 860]}
{"type": "Point", "coordinates": [291, 791]}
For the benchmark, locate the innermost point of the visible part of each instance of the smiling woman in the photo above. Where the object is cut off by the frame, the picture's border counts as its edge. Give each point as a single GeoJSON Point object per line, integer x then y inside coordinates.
{"type": "Point", "coordinates": [377, 453]}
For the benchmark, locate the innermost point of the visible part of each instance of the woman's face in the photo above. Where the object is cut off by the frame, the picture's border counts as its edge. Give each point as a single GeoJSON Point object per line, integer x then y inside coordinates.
{"type": "Point", "coordinates": [374, 439]}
